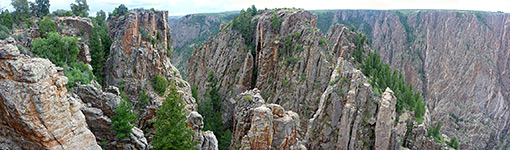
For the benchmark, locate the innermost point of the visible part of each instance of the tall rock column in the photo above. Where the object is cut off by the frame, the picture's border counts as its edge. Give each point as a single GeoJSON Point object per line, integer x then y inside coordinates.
{"type": "Point", "coordinates": [385, 120]}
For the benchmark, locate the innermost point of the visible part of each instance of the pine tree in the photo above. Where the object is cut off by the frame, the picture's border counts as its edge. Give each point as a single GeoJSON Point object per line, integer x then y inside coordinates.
{"type": "Point", "coordinates": [170, 124]}
{"type": "Point", "coordinates": [123, 120]}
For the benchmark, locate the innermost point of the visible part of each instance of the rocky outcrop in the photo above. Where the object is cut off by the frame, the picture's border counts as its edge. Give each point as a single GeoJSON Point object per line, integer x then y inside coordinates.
{"type": "Point", "coordinates": [190, 31]}
{"type": "Point", "coordinates": [206, 140]}
{"type": "Point", "coordinates": [346, 117]}
{"type": "Point", "coordinates": [99, 108]}
{"type": "Point", "coordinates": [465, 80]}
{"type": "Point", "coordinates": [303, 71]}
{"type": "Point", "coordinates": [385, 120]}
{"type": "Point", "coordinates": [141, 50]}
{"type": "Point", "coordinates": [259, 125]}
{"type": "Point", "coordinates": [139, 53]}
{"type": "Point", "coordinates": [75, 27]}
{"type": "Point", "coordinates": [36, 112]}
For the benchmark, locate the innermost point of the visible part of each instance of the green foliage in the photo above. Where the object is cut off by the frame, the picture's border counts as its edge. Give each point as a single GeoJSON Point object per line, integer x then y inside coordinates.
{"type": "Point", "coordinates": [123, 120]}
{"type": "Point", "coordinates": [64, 53]}
{"type": "Point", "coordinates": [99, 45]}
{"type": "Point", "coordinates": [210, 108]}
{"type": "Point", "coordinates": [6, 19]}
{"type": "Point", "coordinates": [322, 42]}
{"type": "Point", "coordinates": [77, 72]}
{"type": "Point", "coordinates": [170, 124]}
{"type": "Point", "coordinates": [277, 22]}
{"type": "Point", "coordinates": [62, 13]}
{"type": "Point", "coordinates": [21, 10]}
{"type": "Point", "coordinates": [454, 143]}
{"type": "Point", "coordinates": [243, 24]}
{"type": "Point", "coordinates": [291, 60]}
{"type": "Point", "coordinates": [4, 32]}
{"type": "Point", "coordinates": [81, 8]}
{"type": "Point", "coordinates": [58, 50]}
{"type": "Point", "coordinates": [435, 132]}
{"type": "Point", "coordinates": [194, 92]}
{"type": "Point", "coordinates": [121, 10]}
{"type": "Point", "coordinates": [42, 8]}
{"type": "Point", "coordinates": [46, 26]}
{"type": "Point", "coordinates": [382, 76]}
{"type": "Point", "coordinates": [142, 98]}
{"type": "Point", "coordinates": [159, 84]}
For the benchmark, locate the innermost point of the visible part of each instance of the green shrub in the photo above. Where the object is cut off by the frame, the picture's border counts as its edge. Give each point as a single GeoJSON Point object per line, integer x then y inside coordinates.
{"type": "Point", "coordinates": [291, 60]}
{"type": "Point", "coordinates": [454, 143]}
{"type": "Point", "coordinates": [123, 120]}
{"type": "Point", "coordinates": [46, 26]}
{"type": "Point", "coordinates": [77, 72]}
{"type": "Point", "coordinates": [322, 42]}
{"type": "Point", "coordinates": [142, 98]}
{"type": "Point", "coordinates": [435, 132]}
{"type": "Point", "coordinates": [159, 84]}
{"type": "Point", "coordinates": [4, 32]}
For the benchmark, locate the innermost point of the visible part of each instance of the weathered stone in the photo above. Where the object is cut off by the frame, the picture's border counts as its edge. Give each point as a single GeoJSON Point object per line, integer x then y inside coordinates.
{"type": "Point", "coordinates": [385, 120]}
{"type": "Point", "coordinates": [258, 128]}
{"type": "Point", "coordinates": [36, 112]}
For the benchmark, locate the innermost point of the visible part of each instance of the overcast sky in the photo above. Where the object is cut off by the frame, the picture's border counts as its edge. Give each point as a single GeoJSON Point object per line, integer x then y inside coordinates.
{"type": "Point", "coordinates": [183, 7]}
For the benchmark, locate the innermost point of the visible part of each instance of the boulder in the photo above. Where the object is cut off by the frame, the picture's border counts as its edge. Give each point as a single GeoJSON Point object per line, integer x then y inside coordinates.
{"type": "Point", "coordinates": [36, 112]}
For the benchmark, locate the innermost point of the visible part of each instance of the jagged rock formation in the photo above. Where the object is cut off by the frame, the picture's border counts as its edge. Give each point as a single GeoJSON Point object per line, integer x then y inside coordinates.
{"type": "Point", "coordinates": [465, 80]}
{"type": "Point", "coordinates": [36, 112]}
{"type": "Point", "coordinates": [206, 140]}
{"type": "Point", "coordinates": [140, 51]}
{"type": "Point", "coordinates": [258, 125]}
{"type": "Point", "coordinates": [191, 31]}
{"type": "Point", "coordinates": [79, 27]}
{"type": "Point", "coordinates": [303, 71]}
{"type": "Point", "coordinates": [99, 108]}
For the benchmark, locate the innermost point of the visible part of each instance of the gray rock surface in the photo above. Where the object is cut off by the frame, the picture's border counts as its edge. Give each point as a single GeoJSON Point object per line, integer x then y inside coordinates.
{"type": "Point", "coordinates": [259, 125]}
{"type": "Point", "coordinates": [385, 120]}
{"type": "Point", "coordinates": [36, 112]}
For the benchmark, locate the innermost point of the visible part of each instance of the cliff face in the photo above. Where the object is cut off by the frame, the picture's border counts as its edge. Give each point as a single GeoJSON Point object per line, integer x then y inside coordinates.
{"type": "Point", "coordinates": [141, 50]}
{"type": "Point", "coordinates": [191, 31]}
{"type": "Point", "coordinates": [36, 112]}
{"type": "Point", "coordinates": [458, 59]}
{"type": "Point", "coordinates": [302, 71]}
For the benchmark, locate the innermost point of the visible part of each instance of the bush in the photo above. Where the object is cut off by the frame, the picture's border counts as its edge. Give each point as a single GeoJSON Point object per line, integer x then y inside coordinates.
{"type": "Point", "coordinates": [454, 143]}
{"type": "Point", "coordinates": [435, 132]}
{"type": "Point", "coordinates": [77, 72]}
{"type": "Point", "coordinates": [322, 42]}
{"type": "Point", "coordinates": [159, 84]}
{"type": "Point", "coordinates": [46, 26]}
{"type": "Point", "coordinates": [276, 21]}
{"type": "Point", "coordinates": [6, 19]}
{"type": "Point", "coordinates": [4, 32]}
{"type": "Point", "coordinates": [60, 12]}
{"type": "Point", "coordinates": [123, 120]}
{"type": "Point", "coordinates": [142, 98]}
{"type": "Point", "coordinates": [121, 10]}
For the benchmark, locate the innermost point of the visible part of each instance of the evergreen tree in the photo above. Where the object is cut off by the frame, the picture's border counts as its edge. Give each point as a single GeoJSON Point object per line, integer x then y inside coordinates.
{"type": "Point", "coordinates": [170, 124]}
{"type": "Point", "coordinates": [21, 10]}
{"type": "Point", "coordinates": [43, 8]}
{"type": "Point", "coordinates": [454, 143]}
{"type": "Point", "coordinates": [81, 8]}
{"type": "Point", "coordinates": [210, 108]}
{"type": "Point", "coordinates": [123, 120]}
{"type": "Point", "coordinates": [99, 45]}
{"type": "Point", "coordinates": [121, 10]}
{"type": "Point", "coordinates": [6, 19]}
